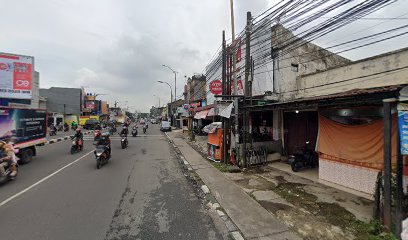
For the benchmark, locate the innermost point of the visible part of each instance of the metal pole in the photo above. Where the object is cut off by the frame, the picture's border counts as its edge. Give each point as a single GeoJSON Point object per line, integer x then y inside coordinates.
{"type": "Point", "coordinates": [224, 89]}
{"type": "Point", "coordinates": [387, 162]}
{"type": "Point", "coordinates": [175, 85]}
{"type": "Point", "coordinates": [400, 190]}
{"type": "Point", "coordinates": [234, 63]}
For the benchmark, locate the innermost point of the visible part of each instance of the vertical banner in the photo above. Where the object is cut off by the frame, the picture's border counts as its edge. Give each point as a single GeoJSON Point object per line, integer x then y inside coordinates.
{"type": "Point", "coordinates": [403, 130]}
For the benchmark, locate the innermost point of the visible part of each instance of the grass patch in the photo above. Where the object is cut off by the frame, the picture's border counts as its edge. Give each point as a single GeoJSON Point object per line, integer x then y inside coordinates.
{"type": "Point", "coordinates": [220, 166]}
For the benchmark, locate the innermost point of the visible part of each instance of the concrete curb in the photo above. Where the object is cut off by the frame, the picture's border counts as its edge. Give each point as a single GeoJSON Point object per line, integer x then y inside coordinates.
{"type": "Point", "coordinates": [63, 138]}
{"type": "Point", "coordinates": [212, 203]}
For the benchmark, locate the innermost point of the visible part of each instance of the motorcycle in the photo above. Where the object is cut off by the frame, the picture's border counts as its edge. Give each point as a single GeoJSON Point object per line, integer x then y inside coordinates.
{"type": "Point", "coordinates": [76, 146]}
{"type": "Point", "coordinates": [53, 131]}
{"type": "Point", "coordinates": [97, 135]}
{"type": "Point", "coordinates": [304, 158]}
{"type": "Point", "coordinates": [144, 129]}
{"type": "Point", "coordinates": [66, 128]}
{"type": "Point", "coordinates": [124, 141]}
{"type": "Point", "coordinates": [134, 131]}
{"type": "Point", "coordinates": [101, 155]}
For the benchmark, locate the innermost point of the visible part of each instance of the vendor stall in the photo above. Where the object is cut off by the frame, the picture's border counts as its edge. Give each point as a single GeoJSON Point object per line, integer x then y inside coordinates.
{"type": "Point", "coordinates": [214, 144]}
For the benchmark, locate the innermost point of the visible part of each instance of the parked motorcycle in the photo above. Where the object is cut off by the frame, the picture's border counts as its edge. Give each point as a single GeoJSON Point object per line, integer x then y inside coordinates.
{"type": "Point", "coordinates": [304, 158]}
{"type": "Point", "coordinates": [76, 146]}
{"type": "Point", "coordinates": [134, 131]}
{"type": "Point", "coordinates": [53, 131]}
{"type": "Point", "coordinates": [124, 141]}
{"type": "Point", "coordinates": [102, 155]}
{"type": "Point", "coordinates": [97, 135]}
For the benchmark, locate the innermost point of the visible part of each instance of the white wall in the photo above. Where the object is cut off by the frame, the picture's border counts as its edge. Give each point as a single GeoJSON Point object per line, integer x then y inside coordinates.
{"type": "Point", "coordinates": [352, 76]}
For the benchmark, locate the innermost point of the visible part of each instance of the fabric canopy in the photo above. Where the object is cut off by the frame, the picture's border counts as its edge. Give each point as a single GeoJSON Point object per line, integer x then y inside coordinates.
{"type": "Point", "coordinates": [211, 112]}
{"type": "Point", "coordinates": [201, 114]}
{"type": "Point", "coordinates": [361, 145]}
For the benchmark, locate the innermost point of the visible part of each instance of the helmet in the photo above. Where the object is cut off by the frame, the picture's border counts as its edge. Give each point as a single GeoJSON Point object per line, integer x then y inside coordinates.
{"type": "Point", "coordinates": [78, 130]}
{"type": "Point", "coordinates": [124, 127]}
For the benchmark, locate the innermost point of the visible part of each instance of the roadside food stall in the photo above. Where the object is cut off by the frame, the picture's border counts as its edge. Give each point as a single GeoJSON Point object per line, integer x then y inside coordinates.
{"type": "Point", "coordinates": [214, 143]}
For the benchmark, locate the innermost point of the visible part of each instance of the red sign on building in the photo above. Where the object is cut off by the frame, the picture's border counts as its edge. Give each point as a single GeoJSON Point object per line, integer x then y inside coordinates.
{"type": "Point", "coordinates": [216, 87]}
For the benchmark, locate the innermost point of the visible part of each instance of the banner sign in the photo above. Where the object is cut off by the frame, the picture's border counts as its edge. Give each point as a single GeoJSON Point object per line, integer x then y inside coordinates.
{"type": "Point", "coordinates": [16, 76]}
{"type": "Point", "coordinates": [90, 104]}
{"type": "Point", "coordinates": [216, 87]}
{"type": "Point", "coordinates": [403, 130]}
{"type": "Point", "coordinates": [23, 124]}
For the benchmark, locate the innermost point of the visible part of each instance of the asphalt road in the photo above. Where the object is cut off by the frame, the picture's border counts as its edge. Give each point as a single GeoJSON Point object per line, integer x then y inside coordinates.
{"type": "Point", "coordinates": [140, 194]}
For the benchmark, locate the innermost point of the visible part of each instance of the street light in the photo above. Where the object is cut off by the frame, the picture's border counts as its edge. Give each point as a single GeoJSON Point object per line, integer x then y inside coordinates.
{"type": "Point", "coordinates": [158, 98]}
{"type": "Point", "coordinates": [175, 80]}
{"type": "Point", "coordinates": [171, 90]}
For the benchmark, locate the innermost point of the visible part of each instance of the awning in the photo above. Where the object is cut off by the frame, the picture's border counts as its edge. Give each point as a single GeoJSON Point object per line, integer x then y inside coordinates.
{"type": "Point", "coordinates": [201, 114]}
{"type": "Point", "coordinates": [211, 112]}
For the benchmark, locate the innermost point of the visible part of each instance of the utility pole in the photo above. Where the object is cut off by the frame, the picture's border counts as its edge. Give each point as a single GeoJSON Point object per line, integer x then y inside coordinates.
{"type": "Point", "coordinates": [224, 92]}
{"type": "Point", "coordinates": [234, 64]}
{"type": "Point", "coordinates": [387, 103]}
{"type": "Point", "coordinates": [247, 71]}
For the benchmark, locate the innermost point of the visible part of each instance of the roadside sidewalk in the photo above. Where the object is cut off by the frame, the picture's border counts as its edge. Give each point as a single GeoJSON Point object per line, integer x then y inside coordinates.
{"type": "Point", "coordinates": [254, 221]}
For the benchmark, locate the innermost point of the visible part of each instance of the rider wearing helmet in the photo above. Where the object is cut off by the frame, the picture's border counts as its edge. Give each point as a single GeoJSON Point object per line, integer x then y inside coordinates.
{"type": "Point", "coordinates": [79, 136]}
{"type": "Point", "coordinates": [105, 141]}
{"type": "Point", "coordinates": [124, 131]}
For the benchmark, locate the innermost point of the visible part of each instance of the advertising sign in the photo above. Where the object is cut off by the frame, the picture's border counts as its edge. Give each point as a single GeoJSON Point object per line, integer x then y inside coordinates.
{"type": "Point", "coordinates": [23, 124]}
{"type": "Point", "coordinates": [90, 104]}
{"type": "Point", "coordinates": [16, 76]}
{"type": "Point", "coordinates": [216, 87]}
{"type": "Point", "coordinates": [403, 129]}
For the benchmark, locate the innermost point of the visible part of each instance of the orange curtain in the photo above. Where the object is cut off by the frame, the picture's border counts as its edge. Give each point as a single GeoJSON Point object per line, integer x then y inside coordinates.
{"type": "Point", "coordinates": [361, 145]}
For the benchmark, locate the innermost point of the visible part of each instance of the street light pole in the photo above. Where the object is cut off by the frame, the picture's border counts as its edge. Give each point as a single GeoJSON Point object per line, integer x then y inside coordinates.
{"type": "Point", "coordinates": [171, 91]}
{"type": "Point", "coordinates": [158, 98]}
{"type": "Point", "coordinates": [175, 81]}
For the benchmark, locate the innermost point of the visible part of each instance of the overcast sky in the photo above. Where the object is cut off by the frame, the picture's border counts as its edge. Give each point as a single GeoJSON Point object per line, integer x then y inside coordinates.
{"type": "Point", "coordinates": [117, 47]}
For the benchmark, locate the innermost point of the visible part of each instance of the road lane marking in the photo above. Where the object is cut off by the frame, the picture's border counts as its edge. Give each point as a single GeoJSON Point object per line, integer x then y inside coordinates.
{"type": "Point", "coordinates": [42, 180]}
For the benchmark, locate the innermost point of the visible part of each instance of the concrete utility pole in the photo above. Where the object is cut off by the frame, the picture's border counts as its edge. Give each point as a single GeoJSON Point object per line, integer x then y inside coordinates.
{"type": "Point", "coordinates": [234, 64]}
{"type": "Point", "coordinates": [247, 72]}
{"type": "Point", "coordinates": [224, 92]}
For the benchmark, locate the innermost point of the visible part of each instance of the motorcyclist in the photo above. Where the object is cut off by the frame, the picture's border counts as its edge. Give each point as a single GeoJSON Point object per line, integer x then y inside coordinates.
{"type": "Point", "coordinates": [98, 126]}
{"type": "Point", "coordinates": [104, 140]}
{"type": "Point", "coordinates": [8, 158]}
{"type": "Point", "coordinates": [66, 126]}
{"type": "Point", "coordinates": [79, 137]}
{"type": "Point", "coordinates": [74, 125]}
{"type": "Point", "coordinates": [53, 128]}
{"type": "Point", "coordinates": [124, 131]}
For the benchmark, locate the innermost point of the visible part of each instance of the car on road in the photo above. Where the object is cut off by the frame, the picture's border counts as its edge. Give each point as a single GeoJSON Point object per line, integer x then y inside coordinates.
{"type": "Point", "coordinates": [153, 121]}
{"type": "Point", "coordinates": [90, 124]}
{"type": "Point", "coordinates": [165, 126]}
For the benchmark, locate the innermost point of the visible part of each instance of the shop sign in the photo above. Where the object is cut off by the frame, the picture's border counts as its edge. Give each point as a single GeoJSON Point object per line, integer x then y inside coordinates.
{"type": "Point", "coordinates": [216, 87]}
{"type": "Point", "coordinates": [403, 130]}
{"type": "Point", "coordinates": [194, 105]}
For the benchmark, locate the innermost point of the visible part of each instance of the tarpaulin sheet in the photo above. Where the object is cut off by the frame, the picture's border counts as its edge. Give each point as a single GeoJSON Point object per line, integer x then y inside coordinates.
{"type": "Point", "coordinates": [361, 145]}
{"type": "Point", "coordinates": [201, 114]}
